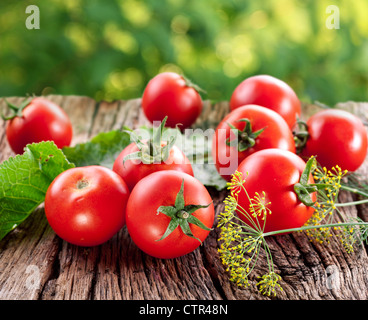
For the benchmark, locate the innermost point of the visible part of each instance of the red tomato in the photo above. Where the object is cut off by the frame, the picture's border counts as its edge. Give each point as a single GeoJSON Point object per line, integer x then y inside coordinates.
{"type": "Point", "coordinates": [147, 223]}
{"type": "Point", "coordinates": [336, 137]}
{"type": "Point", "coordinates": [276, 134]}
{"type": "Point", "coordinates": [41, 120]}
{"type": "Point", "coordinates": [86, 205]}
{"type": "Point", "coordinates": [133, 171]}
{"type": "Point", "coordinates": [275, 172]}
{"type": "Point", "coordinates": [169, 94]}
{"type": "Point", "coordinates": [269, 92]}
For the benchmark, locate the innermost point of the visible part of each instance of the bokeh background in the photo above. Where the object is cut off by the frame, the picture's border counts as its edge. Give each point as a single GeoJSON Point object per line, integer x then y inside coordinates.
{"type": "Point", "coordinates": [109, 49]}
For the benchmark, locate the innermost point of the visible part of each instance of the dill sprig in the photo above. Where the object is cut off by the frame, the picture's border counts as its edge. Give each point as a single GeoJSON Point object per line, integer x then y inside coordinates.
{"type": "Point", "coordinates": [328, 185]}
{"type": "Point", "coordinates": [240, 242]}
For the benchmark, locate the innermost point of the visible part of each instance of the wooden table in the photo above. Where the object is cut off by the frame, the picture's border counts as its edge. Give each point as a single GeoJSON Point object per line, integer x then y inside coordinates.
{"type": "Point", "coordinates": [37, 264]}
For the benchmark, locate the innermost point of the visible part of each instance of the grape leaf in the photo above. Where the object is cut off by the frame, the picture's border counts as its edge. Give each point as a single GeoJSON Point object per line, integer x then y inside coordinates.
{"type": "Point", "coordinates": [101, 150]}
{"type": "Point", "coordinates": [24, 180]}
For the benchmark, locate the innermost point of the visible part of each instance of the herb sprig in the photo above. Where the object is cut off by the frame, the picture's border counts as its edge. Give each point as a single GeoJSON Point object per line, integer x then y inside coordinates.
{"type": "Point", "coordinates": [240, 243]}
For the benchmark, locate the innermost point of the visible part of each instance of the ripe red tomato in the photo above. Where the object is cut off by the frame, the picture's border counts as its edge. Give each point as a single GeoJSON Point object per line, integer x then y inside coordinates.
{"type": "Point", "coordinates": [336, 137]}
{"type": "Point", "coordinates": [274, 172]}
{"type": "Point", "coordinates": [41, 120]}
{"type": "Point", "coordinates": [86, 205]}
{"type": "Point", "coordinates": [269, 92]}
{"type": "Point", "coordinates": [169, 94]}
{"type": "Point", "coordinates": [133, 171]}
{"type": "Point", "coordinates": [265, 129]}
{"type": "Point", "coordinates": [172, 201]}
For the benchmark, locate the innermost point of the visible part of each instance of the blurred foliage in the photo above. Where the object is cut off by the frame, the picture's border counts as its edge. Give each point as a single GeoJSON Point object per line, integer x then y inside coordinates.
{"type": "Point", "coordinates": [110, 49]}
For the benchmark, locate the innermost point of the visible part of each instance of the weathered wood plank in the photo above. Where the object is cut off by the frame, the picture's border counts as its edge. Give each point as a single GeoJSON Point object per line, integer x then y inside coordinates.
{"type": "Point", "coordinates": [119, 270]}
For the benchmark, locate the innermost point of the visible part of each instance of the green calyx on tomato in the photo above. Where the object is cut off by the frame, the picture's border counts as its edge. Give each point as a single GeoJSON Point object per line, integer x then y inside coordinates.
{"type": "Point", "coordinates": [181, 215]}
{"type": "Point", "coordinates": [245, 138]}
{"type": "Point", "coordinates": [303, 189]}
{"type": "Point", "coordinates": [301, 135]}
{"type": "Point", "coordinates": [15, 111]}
{"type": "Point", "coordinates": [191, 84]}
{"type": "Point", "coordinates": [153, 151]}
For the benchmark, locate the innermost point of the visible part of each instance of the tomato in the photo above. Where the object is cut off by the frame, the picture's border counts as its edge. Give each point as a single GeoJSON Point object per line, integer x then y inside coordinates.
{"type": "Point", "coordinates": [143, 157]}
{"type": "Point", "coordinates": [169, 214]}
{"type": "Point", "coordinates": [235, 139]}
{"type": "Point", "coordinates": [272, 174]}
{"type": "Point", "coordinates": [86, 205]}
{"type": "Point", "coordinates": [40, 120]}
{"type": "Point", "coordinates": [336, 137]}
{"type": "Point", "coordinates": [134, 170]}
{"type": "Point", "coordinates": [269, 92]}
{"type": "Point", "coordinates": [169, 94]}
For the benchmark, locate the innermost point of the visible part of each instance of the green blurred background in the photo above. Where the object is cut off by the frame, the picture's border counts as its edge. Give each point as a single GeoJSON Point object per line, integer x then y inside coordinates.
{"type": "Point", "coordinates": [110, 49]}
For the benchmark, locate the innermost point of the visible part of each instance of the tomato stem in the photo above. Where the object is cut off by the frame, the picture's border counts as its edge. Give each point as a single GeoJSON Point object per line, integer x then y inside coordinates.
{"type": "Point", "coordinates": [301, 135]}
{"type": "Point", "coordinates": [183, 214]}
{"type": "Point", "coordinates": [15, 111]}
{"type": "Point", "coordinates": [81, 184]}
{"type": "Point", "coordinates": [153, 151]}
{"type": "Point", "coordinates": [191, 84]}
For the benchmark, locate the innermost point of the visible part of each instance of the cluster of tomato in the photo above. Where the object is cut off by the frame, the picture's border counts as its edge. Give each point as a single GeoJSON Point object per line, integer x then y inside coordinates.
{"type": "Point", "coordinates": [260, 139]}
{"type": "Point", "coordinates": [167, 211]}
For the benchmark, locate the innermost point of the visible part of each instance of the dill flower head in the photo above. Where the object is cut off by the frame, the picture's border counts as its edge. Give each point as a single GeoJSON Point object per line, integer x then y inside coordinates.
{"type": "Point", "coordinates": [353, 234]}
{"type": "Point", "coordinates": [258, 206]}
{"type": "Point", "coordinates": [240, 243]}
{"type": "Point", "coordinates": [328, 183]}
{"type": "Point", "coordinates": [236, 182]}
{"type": "Point", "coordinates": [269, 284]}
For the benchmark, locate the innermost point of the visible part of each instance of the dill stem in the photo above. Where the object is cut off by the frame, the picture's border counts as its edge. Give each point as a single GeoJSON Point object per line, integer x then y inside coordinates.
{"type": "Point", "coordinates": [353, 203]}
{"type": "Point", "coordinates": [341, 224]}
{"type": "Point", "coordinates": [354, 190]}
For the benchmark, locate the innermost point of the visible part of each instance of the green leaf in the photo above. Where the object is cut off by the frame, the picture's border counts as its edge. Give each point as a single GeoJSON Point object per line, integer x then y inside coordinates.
{"type": "Point", "coordinates": [307, 171]}
{"type": "Point", "coordinates": [303, 189]}
{"type": "Point", "coordinates": [24, 181]}
{"type": "Point", "coordinates": [303, 193]}
{"type": "Point", "coordinates": [209, 176]}
{"type": "Point", "coordinates": [102, 150]}
{"type": "Point", "coordinates": [197, 147]}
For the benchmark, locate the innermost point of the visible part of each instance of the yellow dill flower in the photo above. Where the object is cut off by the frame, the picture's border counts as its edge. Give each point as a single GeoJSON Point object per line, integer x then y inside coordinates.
{"type": "Point", "coordinates": [258, 205]}
{"type": "Point", "coordinates": [269, 284]}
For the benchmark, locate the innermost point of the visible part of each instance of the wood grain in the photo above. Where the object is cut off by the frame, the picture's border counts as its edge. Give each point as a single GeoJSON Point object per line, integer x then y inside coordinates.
{"type": "Point", "coordinates": [35, 264]}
